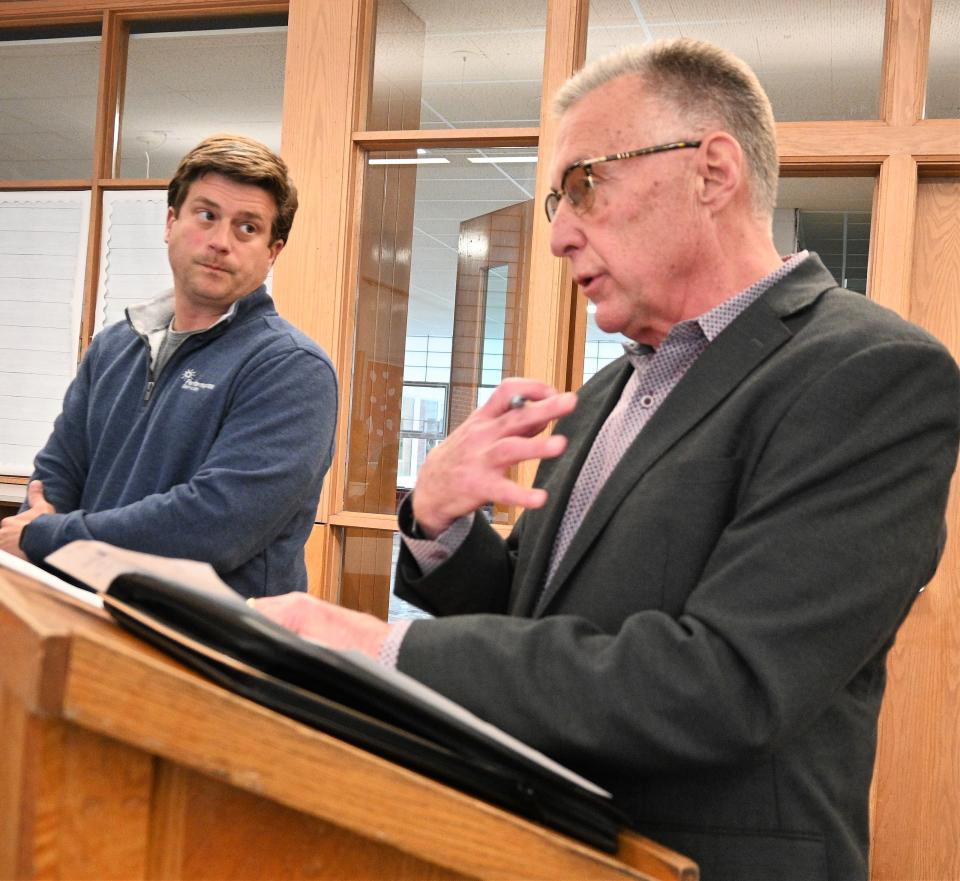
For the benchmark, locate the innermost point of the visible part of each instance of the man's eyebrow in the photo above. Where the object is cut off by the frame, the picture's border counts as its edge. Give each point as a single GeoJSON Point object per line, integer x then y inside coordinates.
{"type": "Point", "coordinates": [244, 213]}
{"type": "Point", "coordinates": [203, 200]}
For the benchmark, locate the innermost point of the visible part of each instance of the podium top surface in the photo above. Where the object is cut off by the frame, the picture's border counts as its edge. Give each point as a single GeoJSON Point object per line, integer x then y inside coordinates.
{"type": "Point", "coordinates": [77, 665]}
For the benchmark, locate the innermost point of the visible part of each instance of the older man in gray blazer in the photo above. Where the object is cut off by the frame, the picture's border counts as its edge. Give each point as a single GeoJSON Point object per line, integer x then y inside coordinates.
{"type": "Point", "coordinates": [730, 522]}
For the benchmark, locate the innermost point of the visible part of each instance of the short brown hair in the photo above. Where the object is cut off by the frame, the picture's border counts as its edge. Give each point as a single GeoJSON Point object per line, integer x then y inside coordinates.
{"type": "Point", "coordinates": [246, 161]}
{"type": "Point", "coordinates": [707, 86]}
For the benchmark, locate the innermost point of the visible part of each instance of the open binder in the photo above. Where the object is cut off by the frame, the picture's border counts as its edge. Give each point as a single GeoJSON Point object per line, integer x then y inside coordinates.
{"type": "Point", "coordinates": [351, 698]}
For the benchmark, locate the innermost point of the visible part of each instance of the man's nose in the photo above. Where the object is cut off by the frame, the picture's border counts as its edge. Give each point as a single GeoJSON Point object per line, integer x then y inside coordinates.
{"type": "Point", "coordinates": [220, 237]}
{"type": "Point", "coordinates": [565, 233]}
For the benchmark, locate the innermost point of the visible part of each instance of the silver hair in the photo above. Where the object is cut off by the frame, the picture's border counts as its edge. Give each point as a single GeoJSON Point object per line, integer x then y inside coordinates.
{"type": "Point", "coordinates": [708, 88]}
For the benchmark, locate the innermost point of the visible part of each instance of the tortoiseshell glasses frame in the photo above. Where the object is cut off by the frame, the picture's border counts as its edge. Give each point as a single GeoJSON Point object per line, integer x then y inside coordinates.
{"type": "Point", "coordinates": [578, 185]}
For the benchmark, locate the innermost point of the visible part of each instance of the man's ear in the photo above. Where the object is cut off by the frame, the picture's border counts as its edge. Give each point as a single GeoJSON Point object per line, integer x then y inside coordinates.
{"type": "Point", "coordinates": [721, 170]}
{"type": "Point", "coordinates": [171, 217]}
{"type": "Point", "coordinates": [275, 250]}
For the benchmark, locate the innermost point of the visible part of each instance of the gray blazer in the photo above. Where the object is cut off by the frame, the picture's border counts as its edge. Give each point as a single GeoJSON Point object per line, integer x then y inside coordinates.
{"type": "Point", "coordinates": [712, 647]}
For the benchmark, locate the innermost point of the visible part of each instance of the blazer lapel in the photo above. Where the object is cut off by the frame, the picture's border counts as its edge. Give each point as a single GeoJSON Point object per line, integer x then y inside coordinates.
{"type": "Point", "coordinates": [558, 477]}
{"type": "Point", "coordinates": [739, 349]}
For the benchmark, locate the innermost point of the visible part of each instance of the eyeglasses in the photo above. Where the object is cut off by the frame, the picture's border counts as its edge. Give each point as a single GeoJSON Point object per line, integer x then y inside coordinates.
{"type": "Point", "coordinates": [578, 185]}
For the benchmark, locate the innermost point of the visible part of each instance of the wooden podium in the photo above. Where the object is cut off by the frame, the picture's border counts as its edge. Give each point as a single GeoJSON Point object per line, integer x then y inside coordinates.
{"type": "Point", "coordinates": [119, 763]}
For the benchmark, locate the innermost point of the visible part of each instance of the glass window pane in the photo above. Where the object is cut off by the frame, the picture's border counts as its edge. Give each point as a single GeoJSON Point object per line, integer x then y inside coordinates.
{"type": "Point", "coordinates": [443, 248]}
{"type": "Point", "coordinates": [816, 59]}
{"type": "Point", "coordinates": [369, 561]}
{"type": "Point", "coordinates": [601, 348]}
{"type": "Point", "coordinates": [48, 107]}
{"type": "Point", "coordinates": [183, 86]}
{"type": "Point", "coordinates": [457, 65]}
{"type": "Point", "coordinates": [829, 216]}
{"type": "Point", "coordinates": [943, 83]}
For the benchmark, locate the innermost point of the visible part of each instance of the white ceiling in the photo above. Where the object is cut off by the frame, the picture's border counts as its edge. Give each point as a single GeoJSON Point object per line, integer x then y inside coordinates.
{"type": "Point", "coordinates": [475, 64]}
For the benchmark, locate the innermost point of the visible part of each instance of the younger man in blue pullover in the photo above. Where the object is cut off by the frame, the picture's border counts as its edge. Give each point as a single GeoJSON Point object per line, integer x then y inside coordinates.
{"type": "Point", "coordinates": [202, 426]}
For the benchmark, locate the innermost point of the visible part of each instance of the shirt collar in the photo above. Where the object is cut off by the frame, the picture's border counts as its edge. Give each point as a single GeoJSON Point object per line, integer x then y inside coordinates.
{"type": "Point", "coordinates": [715, 320]}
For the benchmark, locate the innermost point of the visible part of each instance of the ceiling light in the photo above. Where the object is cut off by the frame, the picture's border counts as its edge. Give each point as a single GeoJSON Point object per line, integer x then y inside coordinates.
{"type": "Point", "coordinates": [499, 160]}
{"type": "Point", "coordinates": [435, 160]}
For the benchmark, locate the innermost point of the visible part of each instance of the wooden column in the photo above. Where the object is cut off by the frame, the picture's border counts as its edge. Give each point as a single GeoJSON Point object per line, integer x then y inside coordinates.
{"type": "Point", "coordinates": [550, 325]}
{"type": "Point", "coordinates": [313, 278]}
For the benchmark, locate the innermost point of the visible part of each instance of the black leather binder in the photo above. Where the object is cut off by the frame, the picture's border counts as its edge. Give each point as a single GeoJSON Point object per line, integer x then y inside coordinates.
{"type": "Point", "coordinates": [232, 644]}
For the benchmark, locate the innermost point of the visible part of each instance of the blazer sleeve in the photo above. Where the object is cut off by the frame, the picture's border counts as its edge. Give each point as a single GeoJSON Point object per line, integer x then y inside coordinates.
{"type": "Point", "coordinates": [837, 527]}
{"type": "Point", "coordinates": [484, 565]}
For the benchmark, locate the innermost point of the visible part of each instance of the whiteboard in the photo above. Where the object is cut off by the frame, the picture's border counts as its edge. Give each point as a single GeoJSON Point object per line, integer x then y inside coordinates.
{"type": "Point", "coordinates": [43, 245]}
{"type": "Point", "coordinates": [133, 255]}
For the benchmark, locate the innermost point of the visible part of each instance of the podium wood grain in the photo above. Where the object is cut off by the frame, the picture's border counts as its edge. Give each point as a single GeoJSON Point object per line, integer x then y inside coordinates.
{"type": "Point", "coordinates": [120, 763]}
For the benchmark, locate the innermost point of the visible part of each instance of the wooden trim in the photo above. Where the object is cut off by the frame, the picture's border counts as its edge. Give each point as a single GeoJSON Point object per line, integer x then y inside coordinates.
{"type": "Point", "coordinates": [113, 62]}
{"type": "Point", "coordinates": [937, 169]}
{"type": "Point", "coordinates": [313, 279]}
{"type": "Point", "coordinates": [172, 11]}
{"type": "Point", "coordinates": [360, 520]}
{"type": "Point", "coordinates": [127, 183]}
{"type": "Point", "coordinates": [113, 75]}
{"type": "Point", "coordinates": [366, 45]}
{"type": "Point", "coordinates": [654, 859]}
{"type": "Point", "coordinates": [891, 236]}
{"type": "Point", "coordinates": [345, 322]}
{"type": "Point", "coordinates": [918, 738]}
{"type": "Point", "coordinates": [577, 347]}
{"type": "Point", "coordinates": [332, 501]}
{"type": "Point", "coordinates": [841, 167]}
{"type": "Point", "coordinates": [35, 15]}
{"type": "Point", "coordinates": [905, 51]}
{"type": "Point", "coordinates": [14, 185]}
{"type": "Point", "coordinates": [550, 296]}
{"type": "Point", "coordinates": [838, 144]}
{"type": "Point", "coordinates": [385, 522]}
{"type": "Point", "coordinates": [40, 13]}
{"type": "Point", "coordinates": [455, 137]}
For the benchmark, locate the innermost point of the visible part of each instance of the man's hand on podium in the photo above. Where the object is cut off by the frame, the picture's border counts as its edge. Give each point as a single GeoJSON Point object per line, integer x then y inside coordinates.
{"type": "Point", "coordinates": [330, 625]}
{"type": "Point", "coordinates": [11, 528]}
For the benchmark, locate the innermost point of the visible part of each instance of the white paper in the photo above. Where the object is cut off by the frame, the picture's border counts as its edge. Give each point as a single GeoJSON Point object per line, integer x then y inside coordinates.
{"type": "Point", "coordinates": [97, 564]}
{"type": "Point", "coordinates": [22, 567]}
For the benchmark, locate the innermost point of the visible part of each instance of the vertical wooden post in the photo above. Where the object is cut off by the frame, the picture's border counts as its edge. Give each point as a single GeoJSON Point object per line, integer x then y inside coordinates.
{"type": "Point", "coordinates": [320, 106]}
{"type": "Point", "coordinates": [550, 295]}
{"type": "Point", "coordinates": [915, 803]}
